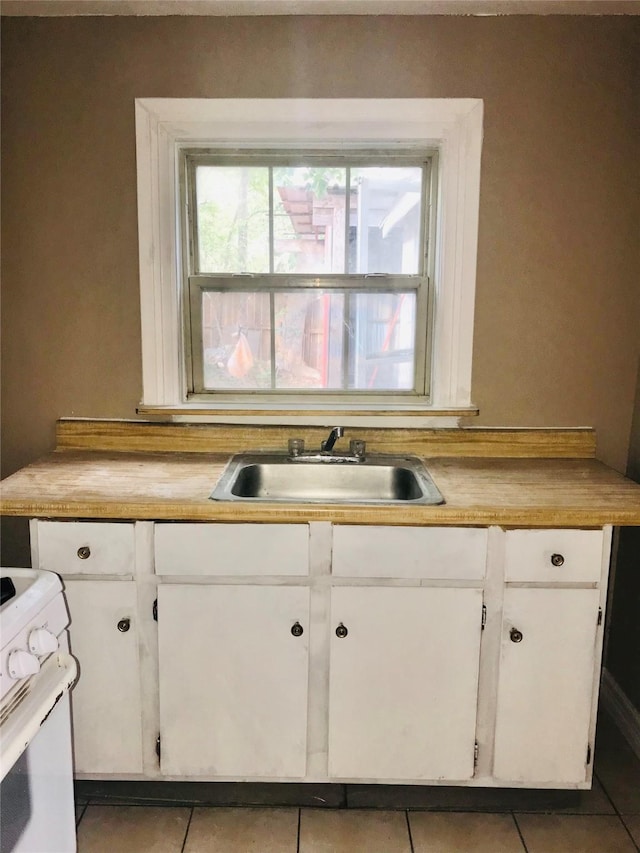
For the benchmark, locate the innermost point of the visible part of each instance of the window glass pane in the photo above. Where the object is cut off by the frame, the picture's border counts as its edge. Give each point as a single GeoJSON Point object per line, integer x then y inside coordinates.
{"type": "Point", "coordinates": [382, 341]}
{"type": "Point", "coordinates": [384, 224]}
{"type": "Point", "coordinates": [309, 219]}
{"type": "Point", "coordinates": [309, 339]}
{"type": "Point", "coordinates": [232, 219]}
{"type": "Point", "coordinates": [236, 340]}
{"type": "Point", "coordinates": [311, 335]}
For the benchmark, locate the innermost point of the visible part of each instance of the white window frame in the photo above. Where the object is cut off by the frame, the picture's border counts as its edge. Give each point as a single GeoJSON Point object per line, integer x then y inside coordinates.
{"type": "Point", "coordinates": [451, 125]}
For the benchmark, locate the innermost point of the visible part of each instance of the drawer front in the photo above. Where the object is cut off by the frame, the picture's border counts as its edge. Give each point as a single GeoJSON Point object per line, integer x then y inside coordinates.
{"type": "Point", "coordinates": [554, 555]}
{"type": "Point", "coordinates": [86, 548]}
{"type": "Point", "coordinates": [232, 549]}
{"type": "Point", "coordinates": [409, 552]}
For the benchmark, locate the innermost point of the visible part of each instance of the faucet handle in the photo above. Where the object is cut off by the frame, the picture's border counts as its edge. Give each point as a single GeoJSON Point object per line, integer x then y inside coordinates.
{"type": "Point", "coordinates": [295, 446]}
{"type": "Point", "coordinates": [357, 447]}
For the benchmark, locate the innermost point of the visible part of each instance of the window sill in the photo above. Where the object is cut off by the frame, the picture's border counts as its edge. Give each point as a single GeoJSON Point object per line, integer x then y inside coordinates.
{"type": "Point", "coordinates": [409, 416]}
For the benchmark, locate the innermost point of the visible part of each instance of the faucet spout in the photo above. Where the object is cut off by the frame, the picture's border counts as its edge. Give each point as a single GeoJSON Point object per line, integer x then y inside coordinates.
{"type": "Point", "coordinates": [334, 435]}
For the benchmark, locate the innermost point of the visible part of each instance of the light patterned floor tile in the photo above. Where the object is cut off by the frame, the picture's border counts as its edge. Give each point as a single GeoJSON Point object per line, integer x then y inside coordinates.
{"type": "Point", "coordinates": [455, 832]}
{"type": "Point", "coordinates": [618, 769]}
{"type": "Point", "coordinates": [632, 823]}
{"type": "Point", "coordinates": [353, 831]}
{"type": "Point", "coordinates": [574, 834]}
{"type": "Point", "coordinates": [243, 830]}
{"type": "Point", "coordinates": [132, 829]}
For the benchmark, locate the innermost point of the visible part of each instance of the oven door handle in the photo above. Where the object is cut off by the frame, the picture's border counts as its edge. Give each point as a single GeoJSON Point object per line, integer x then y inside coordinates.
{"type": "Point", "coordinates": [57, 675]}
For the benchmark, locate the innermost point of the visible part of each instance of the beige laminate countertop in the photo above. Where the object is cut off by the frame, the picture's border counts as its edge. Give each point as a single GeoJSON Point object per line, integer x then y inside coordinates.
{"type": "Point", "coordinates": [530, 492]}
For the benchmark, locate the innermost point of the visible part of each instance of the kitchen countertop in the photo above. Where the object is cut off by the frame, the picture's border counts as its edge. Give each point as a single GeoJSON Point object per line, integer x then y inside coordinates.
{"type": "Point", "coordinates": [88, 478]}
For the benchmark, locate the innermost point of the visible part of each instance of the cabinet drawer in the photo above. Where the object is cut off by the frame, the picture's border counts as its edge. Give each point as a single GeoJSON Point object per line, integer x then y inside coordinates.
{"type": "Point", "coordinates": [85, 548]}
{"type": "Point", "coordinates": [232, 549]}
{"type": "Point", "coordinates": [554, 555]}
{"type": "Point", "coordinates": [409, 552]}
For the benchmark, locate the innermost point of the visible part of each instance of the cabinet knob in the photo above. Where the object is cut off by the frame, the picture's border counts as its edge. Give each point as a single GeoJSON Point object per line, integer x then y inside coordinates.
{"type": "Point", "coordinates": [516, 636]}
{"type": "Point", "coordinates": [84, 552]}
{"type": "Point", "coordinates": [341, 631]}
{"type": "Point", "coordinates": [557, 560]}
{"type": "Point", "coordinates": [124, 625]}
{"type": "Point", "coordinates": [297, 630]}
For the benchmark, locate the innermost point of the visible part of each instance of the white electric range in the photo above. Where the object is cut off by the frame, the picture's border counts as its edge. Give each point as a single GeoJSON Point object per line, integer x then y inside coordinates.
{"type": "Point", "coordinates": [36, 674]}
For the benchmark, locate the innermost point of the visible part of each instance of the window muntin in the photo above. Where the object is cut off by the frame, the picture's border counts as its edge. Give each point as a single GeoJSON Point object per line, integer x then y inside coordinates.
{"type": "Point", "coordinates": [307, 273]}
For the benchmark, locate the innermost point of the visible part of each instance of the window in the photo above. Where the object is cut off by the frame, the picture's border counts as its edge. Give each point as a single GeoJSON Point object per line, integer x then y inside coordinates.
{"type": "Point", "coordinates": [335, 285]}
{"type": "Point", "coordinates": [307, 272]}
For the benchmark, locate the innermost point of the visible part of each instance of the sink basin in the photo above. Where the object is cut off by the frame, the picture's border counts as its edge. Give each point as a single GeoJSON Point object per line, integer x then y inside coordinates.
{"type": "Point", "coordinates": [376, 480]}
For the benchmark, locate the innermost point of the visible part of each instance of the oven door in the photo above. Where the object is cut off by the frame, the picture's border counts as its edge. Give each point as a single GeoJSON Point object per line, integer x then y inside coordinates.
{"type": "Point", "coordinates": [36, 793]}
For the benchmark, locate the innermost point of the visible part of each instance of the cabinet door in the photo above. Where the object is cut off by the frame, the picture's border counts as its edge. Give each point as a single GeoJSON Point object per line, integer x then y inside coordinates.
{"type": "Point", "coordinates": [404, 682]}
{"type": "Point", "coordinates": [106, 701]}
{"type": "Point", "coordinates": [546, 682]}
{"type": "Point", "coordinates": [233, 680]}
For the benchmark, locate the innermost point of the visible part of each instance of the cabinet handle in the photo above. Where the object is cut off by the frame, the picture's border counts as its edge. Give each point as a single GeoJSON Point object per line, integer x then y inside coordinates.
{"type": "Point", "coordinates": [124, 625]}
{"type": "Point", "coordinates": [297, 630]}
{"type": "Point", "coordinates": [84, 552]}
{"type": "Point", "coordinates": [516, 636]}
{"type": "Point", "coordinates": [341, 631]}
{"type": "Point", "coordinates": [557, 560]}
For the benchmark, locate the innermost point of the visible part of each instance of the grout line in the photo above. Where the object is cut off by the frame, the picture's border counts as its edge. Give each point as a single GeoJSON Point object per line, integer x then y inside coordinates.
{"type": "Point", "coordinates": [606, 793]}
{"type": "Point", "coordinates": [298, 836]}
{"type": "Point", "coordinates": [617, 811]}
{"type": "Point", "coordinates": [406, 815]}
{"type": "Point", "coordinates": [84, 808]}
{"type": "Point", "coordinates": [184, 841]}
{"type": "Point", "coordinates": [524, 844]}
{"type": "Point", "coordinates": [633, 841]}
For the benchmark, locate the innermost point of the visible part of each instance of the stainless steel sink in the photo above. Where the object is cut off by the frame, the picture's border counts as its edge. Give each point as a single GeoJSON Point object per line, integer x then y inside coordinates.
{"type": "Point", "coordinates": [279, 478]}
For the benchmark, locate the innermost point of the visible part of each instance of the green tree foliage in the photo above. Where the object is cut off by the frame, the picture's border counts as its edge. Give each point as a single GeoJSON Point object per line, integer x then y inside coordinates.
{"type": "Point", "coordinates": [233, 219]}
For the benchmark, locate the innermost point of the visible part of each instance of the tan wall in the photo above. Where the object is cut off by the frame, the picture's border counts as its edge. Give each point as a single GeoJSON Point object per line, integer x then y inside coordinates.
{"type": "Point", "coordinates": [558, 301]}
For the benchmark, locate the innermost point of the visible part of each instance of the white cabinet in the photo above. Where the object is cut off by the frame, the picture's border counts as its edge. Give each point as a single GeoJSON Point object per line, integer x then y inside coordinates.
{"type": "Point", "coordinates": [403, 682]}
{"type": "Point", "coordinates": [233, 680]}
{"type": "Point", "coordinates": [546, 685]}
{"type": "Point", "coordinates": [106, 701]}
{"type": "Point", "coordinates": [550, 647]}
{"type": "Point", "coordinates": [332, 652]}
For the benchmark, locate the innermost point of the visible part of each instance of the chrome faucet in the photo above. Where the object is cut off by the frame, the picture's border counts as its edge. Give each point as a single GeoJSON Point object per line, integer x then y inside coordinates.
{"type": "Point", "coordinates": [356, 453]}
{"type": "Point", "coordinates": [334, 435]}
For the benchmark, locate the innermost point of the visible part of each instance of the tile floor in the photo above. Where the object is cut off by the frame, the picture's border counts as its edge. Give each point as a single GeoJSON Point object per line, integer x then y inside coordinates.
{"type": "Point", "coordinates": [370, 819]}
